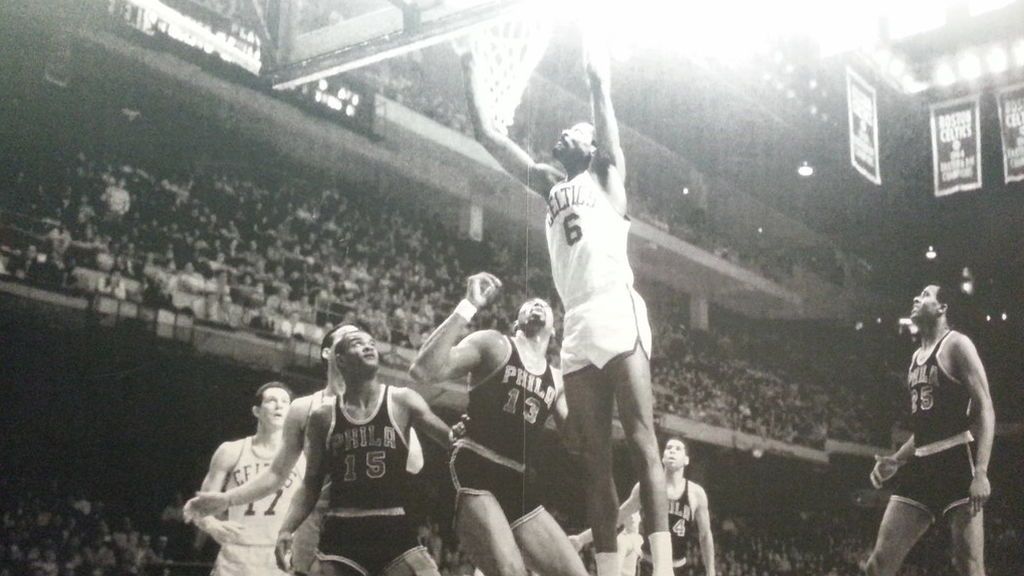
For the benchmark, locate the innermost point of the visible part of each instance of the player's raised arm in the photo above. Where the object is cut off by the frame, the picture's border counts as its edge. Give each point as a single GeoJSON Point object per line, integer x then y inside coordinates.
{"type": "Point", "coordinates": [213, 501]}
{"type": "Point", "coordinates": [702, 514]}
{"type": "Point", "coordinates": [537, 176]}
{"type": "Point", "coordinates": [439, 358]}
{"type": "Point", "coordinates": [421, 417]}
{"type": "Point", "coordinates": [308, 492]}
{"type": "Point", "coordinates": [609, 162]}
{"type": "Point", "coordinates": [967, 368]}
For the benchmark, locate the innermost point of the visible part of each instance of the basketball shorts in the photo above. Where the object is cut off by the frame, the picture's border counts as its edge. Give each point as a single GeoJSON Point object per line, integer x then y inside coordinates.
{"type": "Point", "coordinates": [374, 546]}
{"type": "Point", "coordinates": [239, 560]}
{"type": "Point", "coordinates": [937, 483]}
{"type": "Point", "coordinates": [474, 473]}
{"type": "Point", "coordinates": [605, 325]}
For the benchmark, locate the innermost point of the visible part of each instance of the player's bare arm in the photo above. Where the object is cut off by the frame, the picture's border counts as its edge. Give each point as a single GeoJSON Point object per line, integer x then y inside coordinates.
{"type": "Point", "coordinates": [212, 501]}
{"type": "Point", "coordinates": [609, 162]}
{"type": "Point", "coordinates": [561, 412]}
{"type": "Point", "coordinates": [224, 458]}
{"type": "Point", "coordinates": [537, 176]}
{"type": "Point", "coordinates": [968, 369]}
{"type": "Point", "coordinates": [420, 416]}
{"type": "Point", "coordinates": [308, 492]}
{"type": "Point", "coordinates": [702, 514]}
{"type": "Point", "coordinates": [440, 358]}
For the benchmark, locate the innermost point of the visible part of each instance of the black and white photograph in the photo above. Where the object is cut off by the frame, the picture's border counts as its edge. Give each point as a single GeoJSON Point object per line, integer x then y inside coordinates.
{"type": "Point", "coordinates": [512, 288]}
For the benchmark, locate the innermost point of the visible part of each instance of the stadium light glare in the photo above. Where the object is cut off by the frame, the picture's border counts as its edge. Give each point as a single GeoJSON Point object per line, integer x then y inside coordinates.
{"type": "Point", "coordinates": [931, 253]}
{"type": "Point", "coordinates": [1003, 316]}
{"type": "Point", "coordinates": [967, 287]}
{"type": "Point", "coordinates": [805, 170]}
{"type": "Point", "coordinates": [897, 66]}
{"type": "Point", "coordinates": [944, 75]}
{"type": "Point", "coordinates": [988, 317]}
{"type": "Point", "coordinates": [997, 60]}
{"type": "Point", "coordinates": [1018, 52]}
{"type": "Point", "coordinates": [970, 66]}
{"type": "Point", "coordinates": [912, 85]}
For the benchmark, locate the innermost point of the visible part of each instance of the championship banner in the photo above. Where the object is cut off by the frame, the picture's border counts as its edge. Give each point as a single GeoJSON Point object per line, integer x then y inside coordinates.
{"type": "Point", "coordinates": [1011, 128]}
{"type": "Point", "coordinates": [863, 113]}
{"type": "Point", "coordinates": [956, 145]}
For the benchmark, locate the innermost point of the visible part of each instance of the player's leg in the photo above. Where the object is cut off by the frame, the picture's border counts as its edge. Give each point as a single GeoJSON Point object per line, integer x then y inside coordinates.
{"type": "Point", "coordinates": [590, 398]}
{"type": "Point", "coordinates": [485, 535]}
{"type": "Point", "coordinates": [902, 526]}
{"type": "Point", "coordinates": [632, 377]}
{"type": "Point", "coordinates": [415, 562]}
{"type": "Point", "coordinates": [967, 536]}
{"type": "Point", "coordinates": [546, 548]}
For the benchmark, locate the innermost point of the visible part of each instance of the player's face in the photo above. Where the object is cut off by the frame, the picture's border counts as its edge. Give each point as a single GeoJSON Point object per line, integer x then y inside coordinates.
{"type": "Point", "coordinates": [674, 456]}
{"type": "Point", "coordinates": [574, 143]}
{"type": "Point", "coordinates": [358, 351]}
{"type": "Point", "coordinates": [534, 316]}
{"type": "Point", "coordinates": [926, 306]}
{"type": "Point", "coordinates": [272, 411]}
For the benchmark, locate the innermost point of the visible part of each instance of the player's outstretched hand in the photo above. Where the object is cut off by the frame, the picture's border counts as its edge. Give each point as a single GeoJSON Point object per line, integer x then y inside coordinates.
{"type": "Point", "coordinates": [885, 468]}
{"type": "Point", "coordinates": [283, 551]}
{"type": "Point", "coordinates": [481, 288]}
{"type": "Point", "coordinates": [225, 531]}
{"type": "Point", "coordinates": [979, 492]}
{"type": "Point", "coordinates": [205, 504]}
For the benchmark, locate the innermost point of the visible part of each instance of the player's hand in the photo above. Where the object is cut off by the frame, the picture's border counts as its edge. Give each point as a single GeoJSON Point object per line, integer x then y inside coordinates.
{"type": "Point", "coordinates": [577, 542]}
{"type": "Point", "coordinates": [979, 492]}
{"type": "Point", "coordinates": [459, 429]}
{"type": "Point", "coordinates": [283, 551]}
{"type": "Point", "coordinates": [224, 531]}
{"type": "Point", "coordinates": [885, 468]}
{"type": "Point", "coordinates": [481, 288]}
{"type": "Point", "coordinates": [205, 504]}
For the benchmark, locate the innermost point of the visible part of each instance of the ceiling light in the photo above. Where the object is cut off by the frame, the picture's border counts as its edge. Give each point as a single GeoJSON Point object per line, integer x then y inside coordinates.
{"type": "Point", "coordinates": [970, 66]}
{"type": "Point", "coordinates": [944, 75]}
{"type": "Point", "coordinates": [930, 254]}
{"type": "Point", "coordinates": [805, 169]}
{"type": "Point", "coordinates": [997, 60]}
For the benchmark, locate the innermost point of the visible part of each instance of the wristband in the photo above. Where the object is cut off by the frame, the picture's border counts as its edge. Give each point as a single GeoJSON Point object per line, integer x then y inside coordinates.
{"type": "Point", "coordinates": [466, 310]}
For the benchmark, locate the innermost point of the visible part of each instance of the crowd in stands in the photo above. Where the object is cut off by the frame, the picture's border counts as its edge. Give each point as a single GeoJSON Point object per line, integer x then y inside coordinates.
{"type": "Point", "coordinates": [289, 264]}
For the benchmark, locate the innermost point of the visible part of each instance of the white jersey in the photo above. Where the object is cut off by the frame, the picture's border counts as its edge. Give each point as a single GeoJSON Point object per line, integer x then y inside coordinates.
{"type": "Point", "coordinates": [586, 240]}
{"type": "Point", "coordinates": [261, 518]}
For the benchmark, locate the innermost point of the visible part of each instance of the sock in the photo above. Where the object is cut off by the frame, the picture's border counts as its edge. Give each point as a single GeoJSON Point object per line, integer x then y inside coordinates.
{"type": "Point", "coordinates": [661, 553]}
{"type": "Point", "coordinates": [608, 564]}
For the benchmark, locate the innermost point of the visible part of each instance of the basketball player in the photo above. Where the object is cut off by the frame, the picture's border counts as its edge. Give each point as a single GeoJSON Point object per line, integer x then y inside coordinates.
{"type": "Point", "coordinates": [607, 339]}
{"type": "Point", "coordinates": [499, 519]}
{"type": "Point", "coordinates": [943, 472]}
{"type": "Point", "coordinates": [687, 509]}
{"type": "Point", "coordinates": [361, 444]}
{"type": "Point", "coordinates": [248, 535]}
{"type": "Point", "coordinates": [293, 438]}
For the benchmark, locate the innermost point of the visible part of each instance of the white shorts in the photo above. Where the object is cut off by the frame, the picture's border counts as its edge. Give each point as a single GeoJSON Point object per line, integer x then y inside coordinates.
{"type": "Point", "coordinates": [605, 325]}
{"type": "Point", "coordinates": [238, 560]}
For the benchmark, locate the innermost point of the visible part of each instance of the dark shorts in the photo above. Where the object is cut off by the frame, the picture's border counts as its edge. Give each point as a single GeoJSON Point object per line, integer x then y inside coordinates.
{"type": "Point", "coordinates": [473, 473]}
{"type": "Point", "coordinates": [373, 546]}
{"type": "Point", "coordinates": [937, 483]}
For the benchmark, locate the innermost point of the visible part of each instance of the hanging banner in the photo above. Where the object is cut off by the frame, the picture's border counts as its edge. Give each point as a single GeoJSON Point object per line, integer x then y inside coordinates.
{"type": "Point", "coordinates": [956, 145]}
{"type": "Point", "coordinates": [1011, 128]}
{"type": "Point", "coordinates": [863, 115]}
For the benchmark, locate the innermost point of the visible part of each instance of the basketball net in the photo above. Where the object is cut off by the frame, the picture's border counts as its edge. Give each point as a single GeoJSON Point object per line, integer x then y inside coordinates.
{"type": "Point", "coordinates": [505, 55]}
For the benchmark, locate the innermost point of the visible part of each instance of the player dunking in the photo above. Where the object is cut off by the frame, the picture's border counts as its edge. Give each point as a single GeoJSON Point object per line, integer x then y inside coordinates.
{"type": "Point", "coordinates": [607, 338]}
{"type": "Point", "coordinates": [248, 535]}
{"type": "Point", "coordinates": [361, 444]}
{"type": "Point", "coordinates": [293, 438]}
{"type": "Point", "coordinates": [688, 513]}
{"type": "Point", "coordinates": [943, 475]}
{"type": "Point", "coordinates": [499, 519]}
